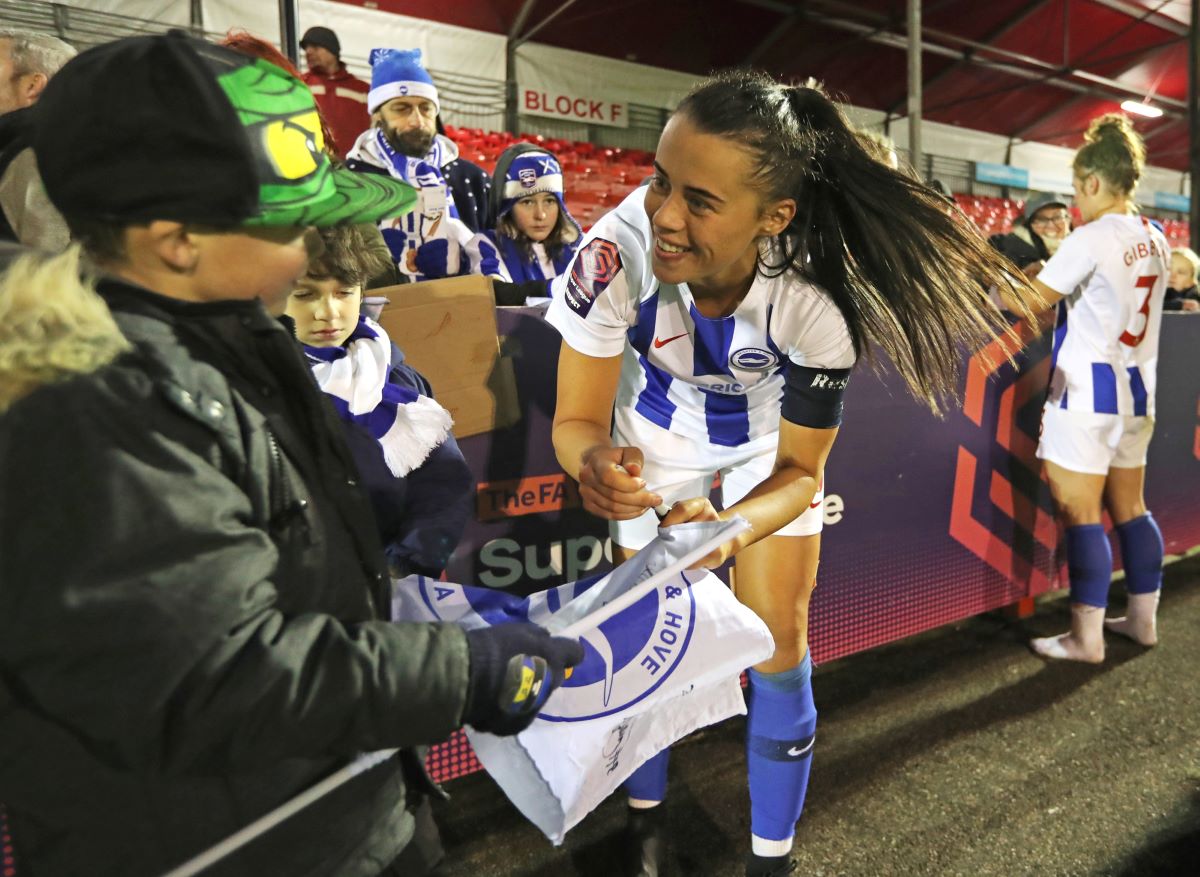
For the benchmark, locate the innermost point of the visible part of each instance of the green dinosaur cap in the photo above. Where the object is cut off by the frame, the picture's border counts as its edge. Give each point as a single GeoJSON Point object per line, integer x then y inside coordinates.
{"type": "Point", "coordinates": [298, 184]}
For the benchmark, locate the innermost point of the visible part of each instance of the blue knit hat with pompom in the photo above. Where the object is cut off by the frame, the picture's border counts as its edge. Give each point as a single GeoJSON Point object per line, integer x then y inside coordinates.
{"type": "Point", "coordinates": [399, 73]}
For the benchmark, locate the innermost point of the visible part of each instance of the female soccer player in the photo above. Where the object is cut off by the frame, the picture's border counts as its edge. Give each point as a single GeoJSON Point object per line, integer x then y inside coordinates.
{"type": "Point", "coordinates": [1108, 279]}
{"type": "Point", "coordinates": [721, 309]}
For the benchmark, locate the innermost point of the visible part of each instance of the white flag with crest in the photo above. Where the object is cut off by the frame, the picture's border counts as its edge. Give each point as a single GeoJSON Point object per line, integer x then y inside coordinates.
{"type": "Point", "coordinates": [653, 672]}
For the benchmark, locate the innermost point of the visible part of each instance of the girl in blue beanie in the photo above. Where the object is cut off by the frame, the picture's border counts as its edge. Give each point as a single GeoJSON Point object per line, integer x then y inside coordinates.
{"type": "Point", "coordinates": [535, 234]}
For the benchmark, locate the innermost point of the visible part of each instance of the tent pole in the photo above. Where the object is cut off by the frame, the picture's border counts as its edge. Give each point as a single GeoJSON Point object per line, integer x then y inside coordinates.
{"type": "Point", "coordinates": [289, 39]}
{"type": "Point", "coordinates": [914, 86]}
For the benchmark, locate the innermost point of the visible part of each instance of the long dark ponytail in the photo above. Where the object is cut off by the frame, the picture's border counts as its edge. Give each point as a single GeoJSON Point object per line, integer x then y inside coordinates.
{"type": "Point", "coordinates": [908, 273]}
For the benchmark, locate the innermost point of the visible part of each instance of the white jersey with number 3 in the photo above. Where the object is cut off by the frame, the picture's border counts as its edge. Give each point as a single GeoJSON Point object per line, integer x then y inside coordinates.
{"type": "Point", "coordinates": [1113, 272]}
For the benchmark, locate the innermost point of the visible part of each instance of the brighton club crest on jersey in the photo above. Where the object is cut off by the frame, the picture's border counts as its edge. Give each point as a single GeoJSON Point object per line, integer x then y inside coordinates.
{"type": "Point", "coordinates": [626, 658]}
{"type": "Point", "coordinates": [754, 359]}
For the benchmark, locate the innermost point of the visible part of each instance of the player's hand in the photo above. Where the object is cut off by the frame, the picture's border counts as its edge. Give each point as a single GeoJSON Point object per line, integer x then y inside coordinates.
{"type": "Point", "coordinates": [611, 486]}
{"type": "Point", "coordinates": [700, 509]}
{"type": "Point", "coordinates": [1189, 304]}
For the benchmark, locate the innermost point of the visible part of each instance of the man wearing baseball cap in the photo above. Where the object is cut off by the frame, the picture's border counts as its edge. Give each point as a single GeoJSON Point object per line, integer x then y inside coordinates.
{"type": "Point", "coordinates": [193, 603]}
{"type": "Point", "coordinates": [341, 96]}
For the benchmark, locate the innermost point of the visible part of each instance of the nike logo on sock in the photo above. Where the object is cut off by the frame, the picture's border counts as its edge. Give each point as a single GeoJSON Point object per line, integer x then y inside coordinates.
{"type": "Point", "coordinates": [660, 342]}
{"type": "Point", "coordinates": [796, 752]}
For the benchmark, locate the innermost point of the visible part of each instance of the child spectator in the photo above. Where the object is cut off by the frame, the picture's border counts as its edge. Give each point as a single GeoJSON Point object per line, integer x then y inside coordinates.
{"type": "Point", "coordinates": [1182, 294]}
{"type": "Point", "coordinates": [197, 628]}
{"type": "Point", "coordinates": [535, 235]}
{"type": "Point", "coordinates": [418, 481]}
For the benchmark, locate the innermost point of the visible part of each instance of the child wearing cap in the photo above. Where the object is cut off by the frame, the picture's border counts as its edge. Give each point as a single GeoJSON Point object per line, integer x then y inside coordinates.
{"type": "Point", "coordinates": [535, 235]}
{"type": "Point", "coordinates": [194, 612]}
{"type": "Point", "coordinates": [411, 466]}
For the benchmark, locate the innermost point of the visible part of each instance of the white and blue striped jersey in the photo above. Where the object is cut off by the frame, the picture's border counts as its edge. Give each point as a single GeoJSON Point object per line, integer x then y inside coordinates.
{"type": "Point", "coordinates": [717, 380]}
{"type": "Point", "coordinates": [1113, 272]}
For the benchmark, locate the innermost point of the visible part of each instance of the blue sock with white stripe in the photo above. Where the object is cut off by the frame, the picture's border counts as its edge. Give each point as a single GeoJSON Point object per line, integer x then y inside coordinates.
{"type": "Point", "coordinates": [1089, 564]}
{"type": "Point", "coordinates": [780, 734]}
{"type": "Point", "coordinates": [648, 784]}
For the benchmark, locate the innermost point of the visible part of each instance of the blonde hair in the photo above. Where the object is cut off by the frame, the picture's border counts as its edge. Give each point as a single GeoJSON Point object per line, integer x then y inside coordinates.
{"type": "Point", "coordinates": [1113, 151]}
{"type": "Point", "coordinates": [1188, 255]}
{"type": "Point", "coordinates": [52, 324]}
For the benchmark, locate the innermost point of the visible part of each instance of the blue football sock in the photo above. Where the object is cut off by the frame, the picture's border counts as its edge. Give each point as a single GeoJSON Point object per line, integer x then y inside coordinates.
{"type": "Point", "coordinates": [780, 734]}
{"type": "Point", "coordinates": [649, 782]}
{"type": "Point", "coordinates": [1089, 563]}
{"type": "Point", "coordinates": [1141, 554]}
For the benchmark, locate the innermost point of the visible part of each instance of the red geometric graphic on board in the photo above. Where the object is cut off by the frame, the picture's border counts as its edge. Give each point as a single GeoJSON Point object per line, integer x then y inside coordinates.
{"type": "Point", "coordinates": [997, 481]}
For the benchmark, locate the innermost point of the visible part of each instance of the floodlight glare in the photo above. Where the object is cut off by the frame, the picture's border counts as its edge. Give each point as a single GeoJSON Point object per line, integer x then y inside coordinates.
{"type": "Point", "coordinates": [1140, 109]}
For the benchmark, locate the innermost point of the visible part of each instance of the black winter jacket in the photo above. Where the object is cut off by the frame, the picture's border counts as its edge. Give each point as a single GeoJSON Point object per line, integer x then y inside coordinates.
{"type": "Point", "coordinates": [193, 612]}
{"type": "Point", "coordinates": [1174, 299]}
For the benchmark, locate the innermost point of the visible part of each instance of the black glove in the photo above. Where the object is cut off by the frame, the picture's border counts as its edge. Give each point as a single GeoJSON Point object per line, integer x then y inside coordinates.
{"type": "Point", "coordinates": [513, 669]}
{"type": "Point", "coordinates": [514, 294]}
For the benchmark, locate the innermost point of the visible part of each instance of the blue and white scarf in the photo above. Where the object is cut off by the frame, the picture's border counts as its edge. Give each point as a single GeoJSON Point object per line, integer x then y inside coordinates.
{"type": "Point", "coordinates": [406, 424]}
{"type": "Point", "coordinates": [419, 172]}
{"type": "Point", "coordinates": [522, 269]}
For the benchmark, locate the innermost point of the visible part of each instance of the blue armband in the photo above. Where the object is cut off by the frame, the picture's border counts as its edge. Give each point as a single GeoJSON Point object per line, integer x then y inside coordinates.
{"type": "Point", "coordinates": [813, 396]}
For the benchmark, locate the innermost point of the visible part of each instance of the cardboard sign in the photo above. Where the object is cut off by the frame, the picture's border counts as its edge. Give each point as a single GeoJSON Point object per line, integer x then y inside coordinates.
{"type": "Point", "coordinates": [447, 330]}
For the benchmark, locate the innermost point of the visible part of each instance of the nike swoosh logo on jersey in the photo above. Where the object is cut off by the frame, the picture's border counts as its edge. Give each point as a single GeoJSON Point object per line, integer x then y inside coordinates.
{"type": "Point", "coordinates": [662, 342]}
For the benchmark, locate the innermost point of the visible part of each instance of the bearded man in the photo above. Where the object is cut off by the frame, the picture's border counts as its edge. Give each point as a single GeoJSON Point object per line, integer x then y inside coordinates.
{"type": "Point", "coordinates": [439, 239]}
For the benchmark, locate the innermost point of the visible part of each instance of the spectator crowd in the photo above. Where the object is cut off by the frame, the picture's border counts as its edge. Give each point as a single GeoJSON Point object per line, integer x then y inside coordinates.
{"type": "Point", "coordinates": [215, 462]}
